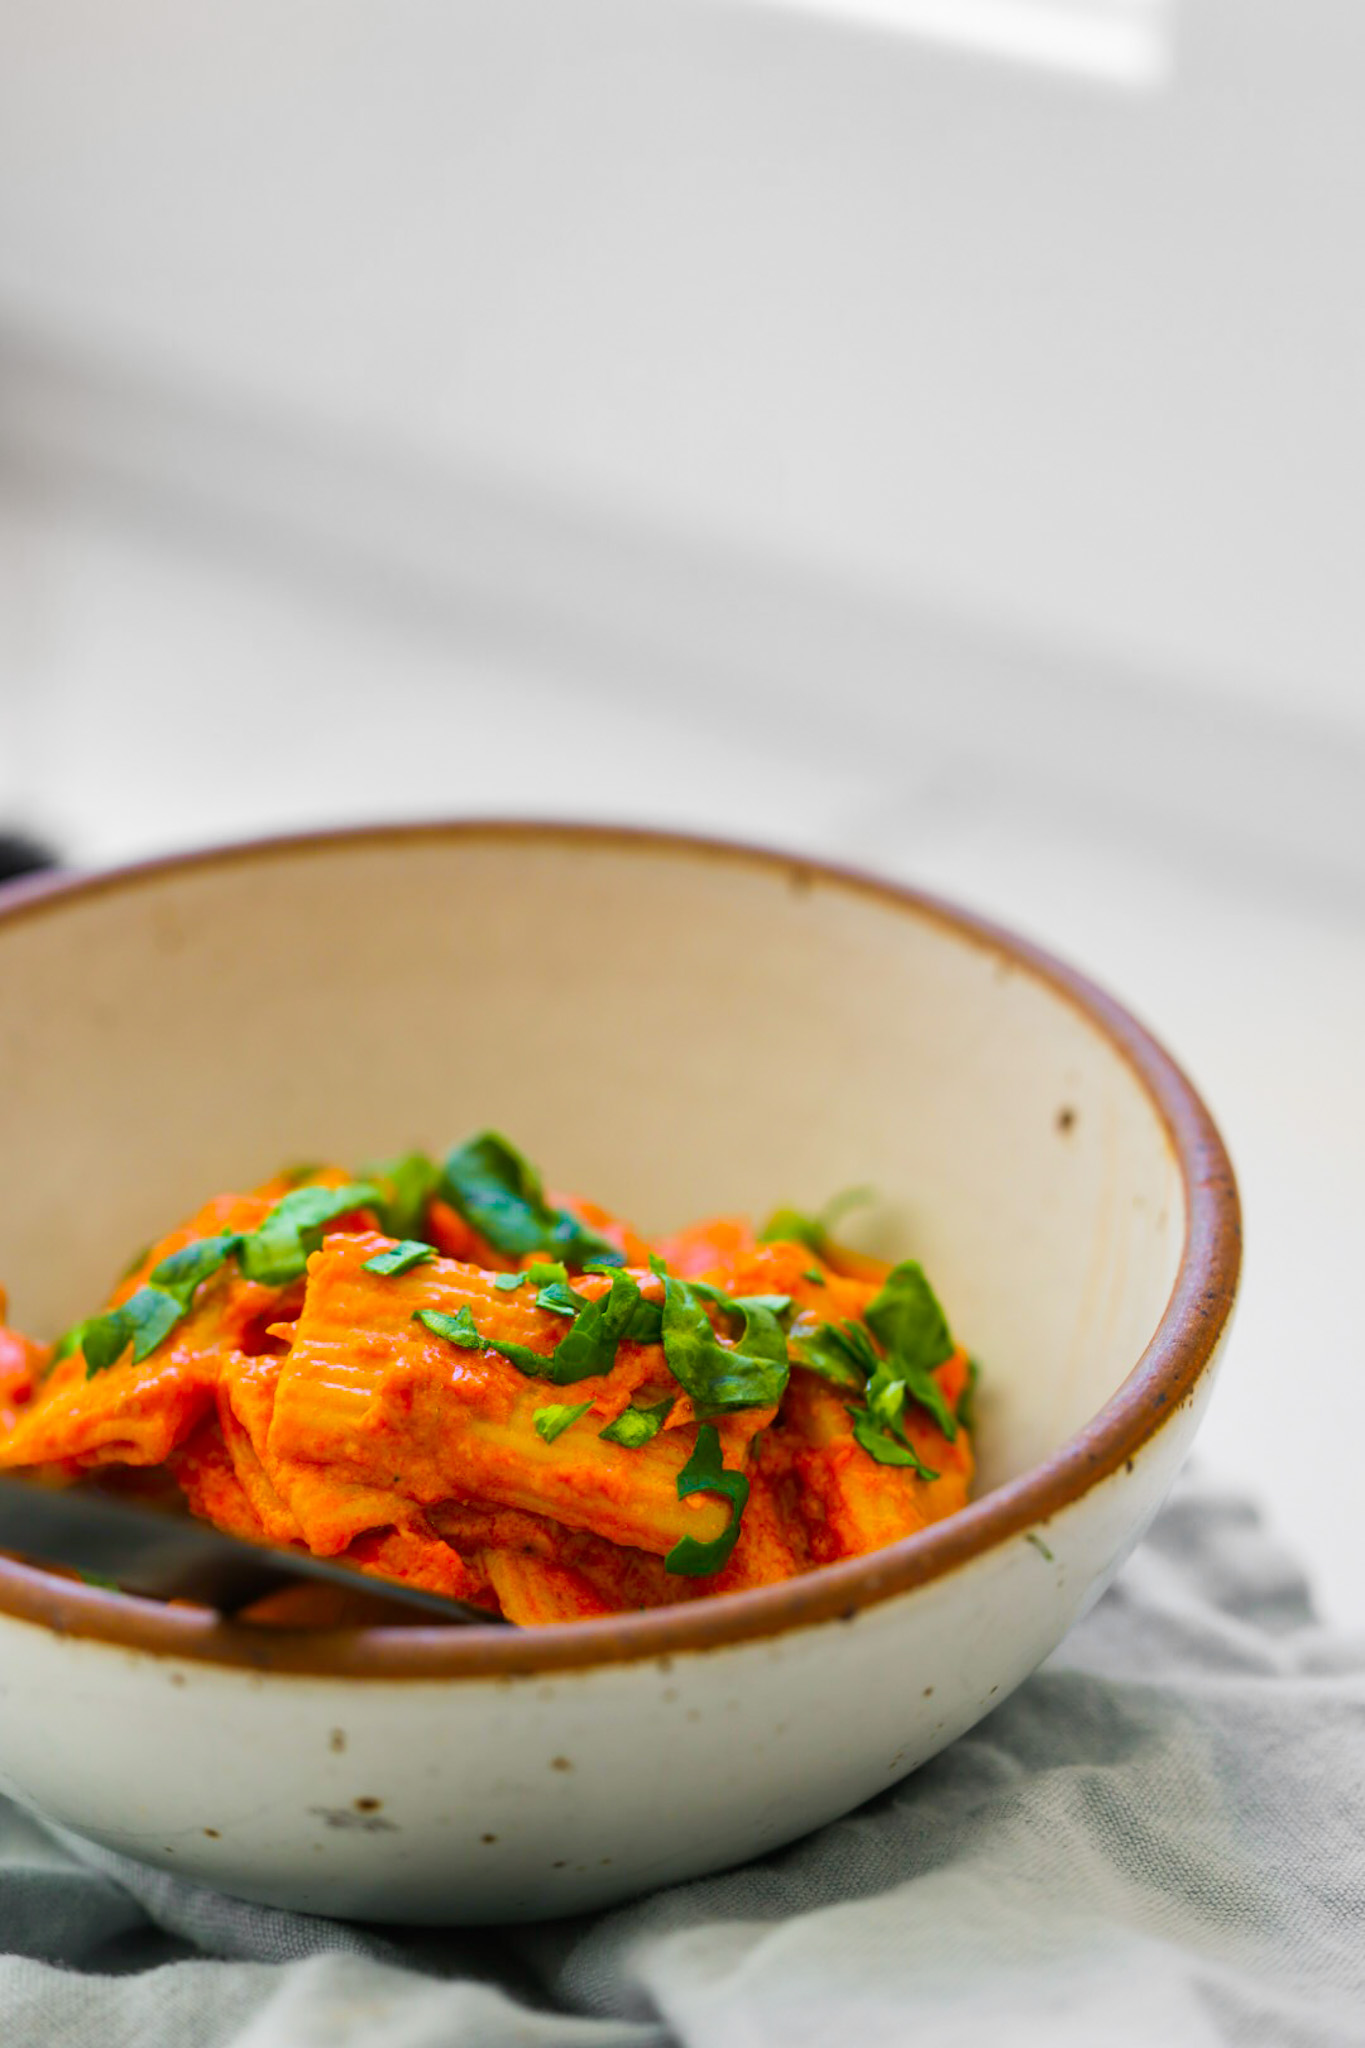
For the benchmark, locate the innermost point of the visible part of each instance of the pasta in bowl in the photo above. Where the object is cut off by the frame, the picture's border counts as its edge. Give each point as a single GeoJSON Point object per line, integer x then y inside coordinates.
{"type": "Point", "coordinates": [443, 1376]}
{"type": "Point", "coordinates": [680, 1028]}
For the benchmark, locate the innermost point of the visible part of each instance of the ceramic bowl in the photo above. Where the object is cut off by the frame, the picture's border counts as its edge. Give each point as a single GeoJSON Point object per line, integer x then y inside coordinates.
{"type": "Point", "coordinates": [679, 1027]}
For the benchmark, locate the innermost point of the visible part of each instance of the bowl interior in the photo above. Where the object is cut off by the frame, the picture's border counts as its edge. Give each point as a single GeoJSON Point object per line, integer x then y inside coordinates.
{"type": "Point", "coordinates": [675, 1030]}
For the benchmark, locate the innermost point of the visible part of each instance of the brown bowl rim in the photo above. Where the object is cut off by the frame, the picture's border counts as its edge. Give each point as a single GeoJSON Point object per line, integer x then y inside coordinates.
{"type": "Point", "coordinates": [1164, 1378]}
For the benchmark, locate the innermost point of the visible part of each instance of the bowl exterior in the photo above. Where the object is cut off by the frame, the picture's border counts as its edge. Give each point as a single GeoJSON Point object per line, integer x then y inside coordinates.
{"type": "Point", "coordinates": [799, 1030]}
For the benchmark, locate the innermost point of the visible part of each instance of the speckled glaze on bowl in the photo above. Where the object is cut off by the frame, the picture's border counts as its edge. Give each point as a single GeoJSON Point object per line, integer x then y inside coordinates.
{"type": "Point", "coordinates": [679, 1027]}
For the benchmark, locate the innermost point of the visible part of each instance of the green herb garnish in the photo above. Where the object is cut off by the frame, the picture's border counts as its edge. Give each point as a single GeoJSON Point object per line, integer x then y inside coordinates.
{"type": "Point", "coordinates": [585, 1351]}
{"type": "Point", "coordinates": [459, 1329]}
{"type": "Point", "coordinates": [776, 1304]}
{"type": "Point", "coordinates": [589, 1348]}
{"type": "Point", "coordinates": [719, 1378]}
{"type": "Point", "coordinates": [462, 1329]}
{"type": "Point", "coordinates": [275, 1253]}
{"type": "Point", "coordinates": [706, 1472]}
{"type": "Point", "coordinates": [406, 1183]}
{"type": "Point", "coordinates": [560, 1299]}
{"type": "Point", "coordinates": [553, 1421]}
{"type": "Point", "coordinates": [400, 1258]}
{"type": "Point", "coordinates": [647, 1323]}
{"type": "Point", "coordinates": [70, 1340]}
{"type": "Point", "coordinates": [278, 1250]}
{"type": "Point", "coordinates": [635, 1427]}
{"type": "Point", "coordinates": [841, 1353]}
{"type": "Point", "coordinates": [149, 1315]}
{"type": "Point", "coordinates": [143, 1321]}
{"type": "Point", "coordinates": [913, 1331]}
{"type": "Point", "coordinates": [180, 1273]}
{"type": "Point", "coordinates": [794, 1226]}
{"type": "Point", "coordinates": [500, 1194]}
{"type": "Point", "coordinates": [879, 1426]}
{"type": "Point", "coordinates": [508, 1283]}
{"type": "Point", "coordinates": [966, 1400]}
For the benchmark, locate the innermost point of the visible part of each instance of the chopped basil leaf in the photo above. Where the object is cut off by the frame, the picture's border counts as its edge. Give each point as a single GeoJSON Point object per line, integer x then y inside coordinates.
{"type": "Point", "coordinates": [589, 1348]}
{"type": "Point", "coordinates": [151, 1315]}
{"type": "Point", "coordinates": [888, 1450]}
{"type": "Point", "coordinates": [560, 1299]}
{"type": "Point", "coordinates": [464, 1331]}
{"type": "Point", "coordinates": [815, 1276]}
{"type": "Point", "coordinates": [143, 1321]}
{"type": "Point", "coordinates": [500, 1194]}
{"type": "Point", "coordinates": [841, 1353]}
{"type": "Point", "coordinates": [966, 1400]}
{"type": "Point", "coordinates": [552, 1422]}
{"type": "Point", "coordinates": [534, 1364]}
{"type": "Point", "coordinates": [791, 1226]}
{"type": "Point", "coordinates": [548, 1273]}
{"type": "Point", "coordinates": [508, 1283]}
{"type": "Point", "coordinates": [586, 1350]}
{"type": "Point", "coordinates": [706, 1472]}
{"type": "Point", "coordinates": [278, 1250]}
{"type": "Point", "coordinates": [406, 1184]}
{"type": "Point", "coordinates": [180, 1273]}
{"type": "Point", "coordinates": [647, 1323]}
{"type": "Point", "coordinates": [581, 1239]}
{"type": "Point", "coordinates": [275, 1253]}
{"type": "Point", "coordinates": [461, 1329]}
{"type": "Point", "coordinates": [880, 1426]}
{"type": "Point", "coordinates": [71, 1340]}
{"type": "Point", "coordinates": [914, 1334]}
{"type": "Point", "coordinates": [401, 1258]}
{"type": "Point", "coordinates": [776, 1304]}
{"type": "Point", "coordinates": [794, 1226]}
{"type": "Point", "coordinates": [907, 1317]}
{"type": "Point", "coordinates": [718, 1377]}
{"type": "Point", "coordinates": [104, 1339]}
{"type": "Point", "coordinates": [635, 1427]}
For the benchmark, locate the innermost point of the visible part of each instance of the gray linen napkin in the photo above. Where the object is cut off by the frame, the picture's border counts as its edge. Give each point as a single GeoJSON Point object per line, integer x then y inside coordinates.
{"type": "Point", "coordinates": [1159, 1839]}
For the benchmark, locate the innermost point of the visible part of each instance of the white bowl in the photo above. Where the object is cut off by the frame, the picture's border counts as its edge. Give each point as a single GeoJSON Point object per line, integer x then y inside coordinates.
{"type": "Point", "coordinates": [677, 1027]}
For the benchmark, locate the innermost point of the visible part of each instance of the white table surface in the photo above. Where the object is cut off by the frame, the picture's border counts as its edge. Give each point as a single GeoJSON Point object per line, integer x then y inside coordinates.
{"type": "Point", "coordinates": [161, 692]}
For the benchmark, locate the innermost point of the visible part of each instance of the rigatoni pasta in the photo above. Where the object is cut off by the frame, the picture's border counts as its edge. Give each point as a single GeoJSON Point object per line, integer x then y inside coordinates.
{"type": "Point", "coordinates": [445, 1375]}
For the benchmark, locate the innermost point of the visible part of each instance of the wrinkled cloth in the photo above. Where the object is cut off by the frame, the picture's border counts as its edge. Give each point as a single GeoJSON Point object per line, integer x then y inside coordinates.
{"type": "Point", "coordinates": [1159, 1839]}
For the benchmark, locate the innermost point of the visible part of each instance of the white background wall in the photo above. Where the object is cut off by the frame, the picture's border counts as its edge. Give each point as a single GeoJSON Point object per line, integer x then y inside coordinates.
{"type": "Point", "coordinates": [1074, 356]}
